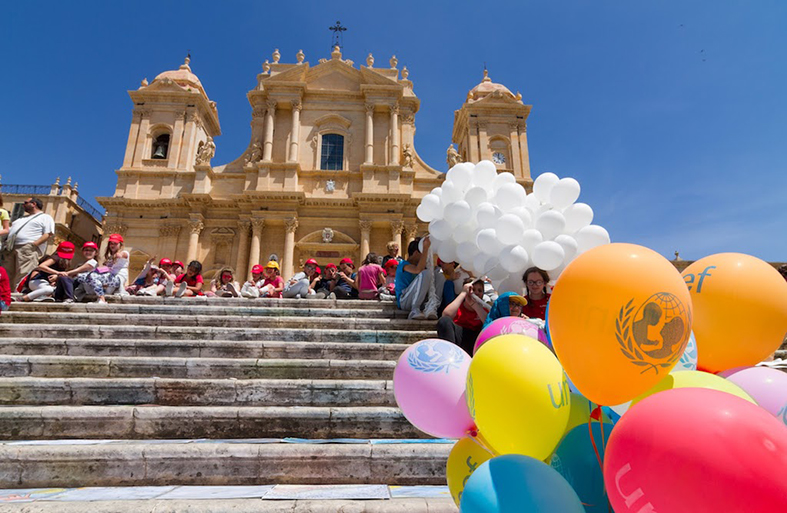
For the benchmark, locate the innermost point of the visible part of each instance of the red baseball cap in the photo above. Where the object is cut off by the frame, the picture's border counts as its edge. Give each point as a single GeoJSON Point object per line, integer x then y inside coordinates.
{"type": "Point", "coordinates": [317, 270]}
{"type": "Point", "coordinates": [65, 250]}
{"type": "Point", "coordinates": [392, 263]}
{"type": "Point", "coordinates": [90, 244]}
{"type": "Point", "coordinates": [115, 237]}
{"type": "Point", "coordinates": [311, 261]}
{"type": "Point", "coordinates": [347, 261]}
{"type": "Point", "coordinates": [164, 261]}
{"type": "Point", "coordinates": [257, 269]}
{"type": "Point", "coordinates": [178, 262]}
{"type": "Point", "coordinates": [331, 266]}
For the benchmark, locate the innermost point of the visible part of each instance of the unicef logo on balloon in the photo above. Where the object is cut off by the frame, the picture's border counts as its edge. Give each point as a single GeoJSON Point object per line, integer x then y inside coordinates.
{"type": "Point", "coordinates": [653, 336]}
{"type": "Point", "coordinates": [436, 356]}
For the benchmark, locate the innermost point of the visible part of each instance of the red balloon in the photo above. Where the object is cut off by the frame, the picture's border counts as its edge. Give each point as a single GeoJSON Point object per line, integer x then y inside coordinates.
{"type": "Point", "coordinates": [697, 450]}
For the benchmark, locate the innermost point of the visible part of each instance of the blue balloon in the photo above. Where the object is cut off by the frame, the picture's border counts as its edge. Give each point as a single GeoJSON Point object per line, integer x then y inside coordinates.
{"type": "Point", "coordinates": [611, 414]}
{"type": "Point", "coordinates": [576, 461]}
{"type": "Point", "coordinates": [515, 483]}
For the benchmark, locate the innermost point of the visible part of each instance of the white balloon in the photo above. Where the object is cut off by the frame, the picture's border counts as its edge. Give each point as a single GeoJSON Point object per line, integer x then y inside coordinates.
{"type": "Point", "coordinates": [421, 245]}
{"type": "Point", "coordinates": [484, 174]}
{"type": "Point", "coordinates": [564, 193]}
{"type": "Point", "coordinates": [420, 213]}
{"type": "Point", "coordinates": [512, 283]}
{"type": "Point", "coordinates": [451, 193]}
{"type": "Point", "coordinates": [461, 175]}
{"type": "Point", "coordinates": [447, 251]}
{"type": "Point", "coordinates": [435, 247]}
{"type": "Point", "coordinates": [475, 196]}
{"type": "Point", "coordinates": [548, 255]}
{"type": "Point", "coordinates": [569, 246]}
{"type": "Point", "coordinates": [466, 253]}
{"type": "Point", "coordinates": [497, 273]}
{"type": "Point", "coordinates": [509, 229]}
{"type": "Point", "coordinates": [437, 191]}
{"type": "Point", "coordinates": [457, 212]}
{"type": "Point", "coordinates": [550, 224]}
{"type": "Point", "coordinates": [486, 215]}
{"type": "Point", "coordinates": [510, 196]}
{"type": "Point", "coordinates": [432, 206]}
{"type": "Point", "coordinates": [487, 242]}
{"type": "Point", "coordinates": [523, 214]}
{"type": "Point", "coordinates": [479, 263]}
{"type": "Point", "coordinates": [514, 259]}
{"type": "Point", "coordinates": [591, 236]}
{"type": "Point", "coordinates": [530, 239]}
{"type": "Point", "coordinates": [532, 202]}
{"type": "Point", "coordinates": [502, 179]}
{"type": "Point", "coordinates": [577, 217]}
{"type": "Point", "coordinates": [542, 187]}
{"type": "Point", "coordinates": [440, 229]}
{"type": "Point", "coordinates": [465, 232]}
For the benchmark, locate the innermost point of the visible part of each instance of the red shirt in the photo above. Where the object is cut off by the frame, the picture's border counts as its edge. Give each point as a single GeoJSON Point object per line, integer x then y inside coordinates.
{"type": "Point", "coordinates": [5, 287]}
{"type": "Point", "coordinates": [468, 319]}
{"type": "Point", "coordinates": [536, 308]}
{"type": "Point", "coordinates": [191, 282]}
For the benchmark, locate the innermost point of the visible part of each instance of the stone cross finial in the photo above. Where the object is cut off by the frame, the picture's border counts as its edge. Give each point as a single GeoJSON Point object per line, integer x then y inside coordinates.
{"type": "Point", "coordinates": [369, 60]}
{"type": "Point", "coordinates": [300, 56]}
{"type": "Point", "coordinates": [276, 56]}
{"type": "Point", "coordinates": [394, 61]}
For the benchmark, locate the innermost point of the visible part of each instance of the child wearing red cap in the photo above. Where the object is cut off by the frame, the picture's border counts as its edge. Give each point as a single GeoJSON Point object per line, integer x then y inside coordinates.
{"type": "Point", "coordinates": [300, 285]}
{"type": "Point", "coordinates": [251, 288]}
{"type": "Point", "coordinates": [64, 289]}
{"type": "Point", "coordinates": [40, 284]}
{"type": "Point", "coordinates": [370, 277]}
{"type": "Point", "coordinates": [389, 290]}
{"type": "Point", "coordinates": [273, 284]}
{"type": "Point", "coordinates": [324, 287]}
{"type": "Point", "coordinates": [111, 276]}
{"type": "Point", "coordinates": [346, 287]}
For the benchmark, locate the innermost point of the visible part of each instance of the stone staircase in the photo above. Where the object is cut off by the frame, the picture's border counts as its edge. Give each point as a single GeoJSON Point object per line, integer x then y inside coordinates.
{"type": "Point", "coordinates": [210, 392]}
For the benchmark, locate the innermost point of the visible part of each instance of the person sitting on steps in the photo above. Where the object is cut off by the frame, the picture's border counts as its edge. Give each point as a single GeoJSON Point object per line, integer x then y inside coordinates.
{"type": "Point", "coordinates": [299, 286]}
{"type": "Point", "coordinates": [190, 283]}
{"type": "Point", "coordinates": [413, 281]}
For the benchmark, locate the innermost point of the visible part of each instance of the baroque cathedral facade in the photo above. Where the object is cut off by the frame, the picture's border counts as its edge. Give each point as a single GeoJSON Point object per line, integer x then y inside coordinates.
{"type": "Point", "coordinates": [331, 169]}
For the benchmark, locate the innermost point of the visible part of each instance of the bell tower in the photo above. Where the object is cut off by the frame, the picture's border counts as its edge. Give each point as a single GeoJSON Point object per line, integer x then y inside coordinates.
{"type": "Point", "coordinates": [172, 119]}
{"type": "Point", "coordinates": [492, 125]}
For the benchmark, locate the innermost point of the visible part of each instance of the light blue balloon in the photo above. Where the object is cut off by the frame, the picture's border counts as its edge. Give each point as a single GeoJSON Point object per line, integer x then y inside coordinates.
{"type": "Point", "coordinates": [516, 484]}
{"type": "Point", "coordinates": [577, 462]}
{"type": "Point", "coordinates": [688, 361]}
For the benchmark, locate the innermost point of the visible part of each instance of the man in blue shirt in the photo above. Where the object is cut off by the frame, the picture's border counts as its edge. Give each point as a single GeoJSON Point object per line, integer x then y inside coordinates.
{"type": "Point", "coordinates": [413, 280]}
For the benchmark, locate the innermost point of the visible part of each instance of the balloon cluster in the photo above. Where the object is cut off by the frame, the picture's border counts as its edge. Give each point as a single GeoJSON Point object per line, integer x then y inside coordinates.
{"type": "Point", "coordinates": [627, 329]}
{"type": "Point", "coordinates": [489, 224]}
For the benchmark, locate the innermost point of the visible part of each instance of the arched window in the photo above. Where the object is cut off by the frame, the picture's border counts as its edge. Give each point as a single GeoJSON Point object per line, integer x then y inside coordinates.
{"type": "Point", "coordinates": [332, 156]}
{"type": "Point", "coordinates": [160, 147]}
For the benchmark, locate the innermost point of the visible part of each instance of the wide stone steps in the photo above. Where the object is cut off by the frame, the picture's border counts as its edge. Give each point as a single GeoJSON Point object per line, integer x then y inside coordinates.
{"type": "Point", "coordinates": [201, 348]}
{"type": "Point", "coordinates": [173, 422]}
{"type": "Point", "coordinates": [149, 330]}
{"type": "Point", "coordinates": [220, 463]}
{"type": "Point", "coordinates": [190, 368]}
{"type": "Point", "coordinates": [195, 392]}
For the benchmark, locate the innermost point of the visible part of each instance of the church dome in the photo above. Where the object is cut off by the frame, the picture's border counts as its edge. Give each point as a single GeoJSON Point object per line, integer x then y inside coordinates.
{"type": "Point", "coordinates": [183, 77]}
{"type": "Point", "coordinates": [487, 87]}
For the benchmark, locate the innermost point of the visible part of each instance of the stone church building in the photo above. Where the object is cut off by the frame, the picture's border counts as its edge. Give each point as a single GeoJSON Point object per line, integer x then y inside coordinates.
{"type": "Point", "coordinates": [331, 169]}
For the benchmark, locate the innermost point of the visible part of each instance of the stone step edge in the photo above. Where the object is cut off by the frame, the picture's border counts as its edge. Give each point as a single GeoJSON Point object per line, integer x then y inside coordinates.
{"type": "Point", "coordinates": [229, 310]}
{"type": "Point", "coordinates": [257, 505]}
{"type": "Point", "coordinates": [221, 464]}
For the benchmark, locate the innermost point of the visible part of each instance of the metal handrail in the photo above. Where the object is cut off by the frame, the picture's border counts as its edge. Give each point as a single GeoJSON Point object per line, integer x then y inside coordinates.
{"type": "Point", "coordinates": [44, 190]}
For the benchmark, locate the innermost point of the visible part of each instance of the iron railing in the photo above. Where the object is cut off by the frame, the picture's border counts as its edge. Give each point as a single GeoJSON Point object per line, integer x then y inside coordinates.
{"type": "Point", "coordinates": [44, 190]}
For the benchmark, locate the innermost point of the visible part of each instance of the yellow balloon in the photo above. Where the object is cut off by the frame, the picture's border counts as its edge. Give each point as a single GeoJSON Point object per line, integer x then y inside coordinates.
{"type": "Point", "coordinates": [518, 396]}
{"type": "Point", "coordinates": [694, 379]}
{"type": "Point", "coordinates": [580, 411]}
{"type": "Point", "coordinates": [466, 456]}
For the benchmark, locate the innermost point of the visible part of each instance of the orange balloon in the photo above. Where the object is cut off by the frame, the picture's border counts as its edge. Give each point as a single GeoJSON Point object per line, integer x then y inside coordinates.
{"type": "Point", "coordinates": [740, 310]}
{"type": "Point", "coordinates": [620, 318]}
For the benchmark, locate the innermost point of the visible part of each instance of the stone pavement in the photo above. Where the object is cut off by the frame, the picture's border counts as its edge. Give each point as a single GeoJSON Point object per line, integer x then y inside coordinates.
{"type": "Point", "coordinates": [149, 395]}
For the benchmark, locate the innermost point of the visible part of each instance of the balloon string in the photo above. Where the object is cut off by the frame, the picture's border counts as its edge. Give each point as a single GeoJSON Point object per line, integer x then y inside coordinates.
{"type": "Point", "coordinates": [473, 434]}
{"type": "Point", "coordinates": [596, 414]}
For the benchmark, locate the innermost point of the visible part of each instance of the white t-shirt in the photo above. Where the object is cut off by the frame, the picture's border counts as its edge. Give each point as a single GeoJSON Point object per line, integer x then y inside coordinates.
{"type": "Point", "coordinates": [30, 230]}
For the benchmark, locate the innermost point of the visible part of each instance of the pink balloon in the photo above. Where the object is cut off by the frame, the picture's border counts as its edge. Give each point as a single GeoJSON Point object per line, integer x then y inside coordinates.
{"type": "Point", "coordinates": [508, 325]}
{"type": "Point", "coordinates": [693, 450]}
{"type": "Point", "coordinates": [766, 386]}
{"type": "Point", "coordinates": [429, 386]}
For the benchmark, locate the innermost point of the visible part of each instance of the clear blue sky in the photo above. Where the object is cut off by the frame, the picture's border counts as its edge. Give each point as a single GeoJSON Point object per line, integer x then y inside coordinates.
{"type": "Point", "coordinates": [671, 114]}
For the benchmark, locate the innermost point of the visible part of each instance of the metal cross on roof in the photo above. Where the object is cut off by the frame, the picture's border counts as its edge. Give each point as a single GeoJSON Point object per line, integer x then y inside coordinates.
{"type": "Point", "coordinates": [337, 38]}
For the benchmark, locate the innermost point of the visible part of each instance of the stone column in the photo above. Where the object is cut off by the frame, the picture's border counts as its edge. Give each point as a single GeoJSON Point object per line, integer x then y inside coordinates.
{"type": "Point", "coordinates": [483, 142]}
{"type": "Point", "coordinates": [369, 134]}
{"type": "Point", "coordinates": [366, 232]}
{"type": "Point", "coordinates": [256, 237]}
{"type": "Point", "coordinates": [267, 150]}
{"type": "Point", "coordinates": [196, 225]}
{"type": "Point", "coordinates": [176, 142]}
{"type": "Point", "coordinates": [394, 160]}
{"type": "Point", "coordinates": [410, 231]}
{"type": "Point", "coordinates": [243, 249]}
{"type": "Point", "coordinates": [516, 158]}
{"type": "Point", "coordinates": [291, 225]}
{"type": "Point", "coordinates": [296, 128]}
{"type": "Point", "coordinates": [396, 234]}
